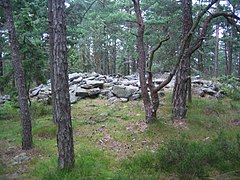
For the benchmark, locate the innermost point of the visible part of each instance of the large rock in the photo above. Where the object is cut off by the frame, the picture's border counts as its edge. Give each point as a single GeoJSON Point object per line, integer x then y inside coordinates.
{"type": "Point", "coordinates": [94, 92]}
{"type": "Point", "coordinates": [209, 91]}
{"type": "Point", "coordinates": [73, 98]}
{"type": "Point", "coordinates": [80, 92]}
{"type": "Point", "coordinates": [124, 91]}
{"type": "Point", "coordinates": [73, 76]}
{"type": "Point", "coordinates": [95, 83]}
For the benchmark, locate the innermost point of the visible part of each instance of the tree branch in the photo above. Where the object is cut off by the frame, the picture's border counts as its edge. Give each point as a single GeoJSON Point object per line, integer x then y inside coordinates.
{"type": "Point", "coordinates": [89, 7]}
{"type": "Point", "coordinates": [203, 33]}
{"type": "Point", "coordinates": [153, 52]}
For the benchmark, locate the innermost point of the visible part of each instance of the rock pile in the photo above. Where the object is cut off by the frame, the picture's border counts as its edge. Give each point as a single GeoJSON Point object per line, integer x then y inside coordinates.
{"type": "Point", "coordinates": [84, 85]}
{"type": "Point", "coordinates": [116, 87]}
{"type": "Point", "coordinates": [4, 99]}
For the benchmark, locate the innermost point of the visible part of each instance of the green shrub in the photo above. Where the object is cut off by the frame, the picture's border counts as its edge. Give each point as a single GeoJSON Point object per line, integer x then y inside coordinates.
{"type": "Point", "coordinates": [196, 159]}
{"type": "Point", "coordinates": [187, 159]}
{"type": "Point", "coordinates": [231, 87]}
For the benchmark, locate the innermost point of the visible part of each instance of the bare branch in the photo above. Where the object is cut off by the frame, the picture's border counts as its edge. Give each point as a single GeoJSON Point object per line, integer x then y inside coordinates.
{"type": "Point", "coordinates": [89, 7]}
{"type": "Point", "coordinates": [153, 52]}
{"type": "Point", "coordinates": [203, 33]}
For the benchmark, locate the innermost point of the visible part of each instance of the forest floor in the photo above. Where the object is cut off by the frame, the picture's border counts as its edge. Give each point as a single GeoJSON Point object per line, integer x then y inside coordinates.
{"type": "Point", "coordinates": [112, 141]}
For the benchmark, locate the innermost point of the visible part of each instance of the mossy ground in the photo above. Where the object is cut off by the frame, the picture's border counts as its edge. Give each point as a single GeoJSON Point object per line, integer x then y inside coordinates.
{"type": "Point", "coordinates": [112, 141]}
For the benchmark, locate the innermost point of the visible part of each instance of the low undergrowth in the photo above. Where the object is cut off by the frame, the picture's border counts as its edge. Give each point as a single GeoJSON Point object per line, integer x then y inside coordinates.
{"type": "Point", "coordinates": [112, 141]}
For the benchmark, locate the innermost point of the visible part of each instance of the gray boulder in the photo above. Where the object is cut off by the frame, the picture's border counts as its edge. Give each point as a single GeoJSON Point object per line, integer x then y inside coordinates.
{"type": "Point", "coordinates": [209, 91]}
{"type": "Point", "coordinates": [94, 92]}
{"type": "Point", "coordinates": [73, 98]}
{"type": "Point", "coordinates": [73, 76]}
{"type": "Point", "coordinates": [124, 91]}
{"type": "Point", "coordinates": [80, 92]}
{"type": "Point", "coordinates": [95, 83]}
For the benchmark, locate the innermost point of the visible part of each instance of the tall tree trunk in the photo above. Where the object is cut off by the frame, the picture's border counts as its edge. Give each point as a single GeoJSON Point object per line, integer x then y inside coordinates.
{"type": "Point", "coordinates": [51, 52]}
{"type": "Point", "coordinates": [1, 71]}
{"type": "Point", "coordinates": [60, 85]}
{"type": "Point", "coordinates": [19, 76]}
{"type": "Point", "coordinates": [149, 110]}
{"type": "Point", "coordinates": [216, 52]}
{"type": "Point", "coordinates": [200, 61]}
{"type": "Point", "coordinates": [226, 59]}
{"type": "Point", "coordinates": [183, 73]}
{"type": "Point", "coordinates": [96, 58]}
{"type": "Point", "coordinates": [114, 56]}
{"type": "Point", "coordinates": [230, 53]}
{"type": "Point", "coordinates": [238, 65]}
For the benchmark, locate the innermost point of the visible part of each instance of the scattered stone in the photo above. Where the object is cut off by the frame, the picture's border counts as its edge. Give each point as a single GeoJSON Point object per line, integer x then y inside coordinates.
{"type": "Point", "coordinates": [11, 150]}
{"type": "Point", "coordinates": [104, 114]}
{"type": "Point", "coordinates": [20, 158]}
{"type": "Point", "coordinates": [124, 99]}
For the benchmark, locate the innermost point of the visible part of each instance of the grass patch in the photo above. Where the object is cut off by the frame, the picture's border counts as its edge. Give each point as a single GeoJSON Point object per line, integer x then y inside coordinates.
{"type": "Point", "coordinates": [90, 164]}
{"type": "Point", "coordinates": [112, 142]}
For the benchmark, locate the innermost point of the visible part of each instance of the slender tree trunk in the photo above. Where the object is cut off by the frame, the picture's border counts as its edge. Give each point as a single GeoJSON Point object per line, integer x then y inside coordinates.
{"type": "Point", "coordinates": [216, 52]}
{"type": "Point", "coordinates": [51, 52]}
{"type": "Point", "coordinates": [88, 57]}
{"type": "Point", "coordinates": [96, 58]}
{"type": "Point", "coordinates": [238, 65]}
{"type": "Point", "coordinates": [1, 72]}
{"type": "Point", "coordinates": [200, 62]}
{"type": "Point", "coordinates": [19, 76]}
{"type": "Point", "coordinates": [230, 54]}
{"type": "Point", "coordinates": [114, 56]}
{"type": "Point", "coordinates": [149, 110]}
{"type": "Point", "coordinates": [183, 82]}
{"type": "Point", "coordinates": [60, 85]}
{"type": "Point", "coordinates": [226, 59]}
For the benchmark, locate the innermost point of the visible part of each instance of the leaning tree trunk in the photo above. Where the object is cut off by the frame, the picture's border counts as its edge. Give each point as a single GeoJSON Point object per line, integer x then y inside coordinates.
{"type": "Point", "coordinates": [182, 81]}
{"type": "Point", "coordinates": [19, 77]}
{"type": "Point", "coordinates": [59, 79]}
{"type": "Point", "coordinates": [149, 110]}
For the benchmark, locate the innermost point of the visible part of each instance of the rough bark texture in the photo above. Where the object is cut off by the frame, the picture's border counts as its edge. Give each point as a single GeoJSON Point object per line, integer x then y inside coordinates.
{"type": "Point", "coordinates": [183, 73]}
{"type": "Point", "coordinates": [150, 115]}
{"type": "Point", "coordinates": [60, 85]}
{"type": "Point", "coordinates": [19, 78]}
{"type": "Point", "coordinates": [216, 52]}
{"type": "Point", "coordinates": [230, 54]}
{"type": "Point", "coordinates": [1, 71]}
{"type": "Point", "coordinates": [226, 59]}
{"type": "Point", "coordinates": [51, 44]}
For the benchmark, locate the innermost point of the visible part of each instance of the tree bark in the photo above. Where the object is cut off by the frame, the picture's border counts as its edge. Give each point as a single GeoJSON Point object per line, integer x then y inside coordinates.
{"type": "Point", "coordinates": [149, 110]}
{"type": "Point", "coordinates": [183, 82]}
{"type": "Point", "coordinates": [1, 71]}
{"type": "Point", "coordinates": [60, 85]}
{"type": "Point", "coordinates": [226, 59]}
{"type": "Point", "coordinates": [230, 54]}
{"type": "Point", "coordinates": [216, 52]}
{"type": "Point", "coordinates": [19, 77]}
